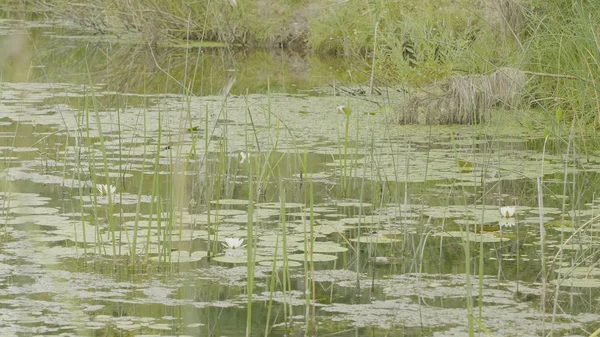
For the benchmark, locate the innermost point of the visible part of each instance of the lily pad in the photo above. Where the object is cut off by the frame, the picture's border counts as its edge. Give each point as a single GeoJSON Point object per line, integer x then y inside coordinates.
{"type": "Point", "coordinates": [325, 247]}
{"type": "Point", "coordinates": [230, 202]}
{"type": "Point", "coordinates": [182, 256]}
{"type": "Point", "coordinates": [316, 257]}
{"type": "Point", "coordinates": [279, 263]}
{"type": "Point", "coordinates": [577, 282]}
{"type": "Point", "coordinates": [238, 258]}
{"type": "Point", "coordinates": [34, 210]}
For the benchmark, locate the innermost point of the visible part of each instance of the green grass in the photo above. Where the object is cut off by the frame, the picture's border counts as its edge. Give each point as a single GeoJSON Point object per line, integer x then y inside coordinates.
{"type": "Point", "coordinates": [410, 43]}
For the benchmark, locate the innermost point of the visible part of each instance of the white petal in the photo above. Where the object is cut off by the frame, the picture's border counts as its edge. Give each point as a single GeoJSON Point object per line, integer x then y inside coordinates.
{"type": "Point", "coordinates": [508, 211]}
{"type": "Point", "coordinates": [506, 222]}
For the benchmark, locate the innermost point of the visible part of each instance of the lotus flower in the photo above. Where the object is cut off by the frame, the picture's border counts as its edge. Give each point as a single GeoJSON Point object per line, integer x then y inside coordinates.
{"type": "Point", "coordinates": [233, 243]}
{"type": "Point", "coordinates": [507, 211]}
{"type": "Point", "coordinates": [103, 189]}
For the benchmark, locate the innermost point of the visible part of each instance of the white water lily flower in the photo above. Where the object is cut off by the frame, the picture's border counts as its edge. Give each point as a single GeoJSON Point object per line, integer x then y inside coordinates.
{"type": "Point", "coordinates": [233, 243]}
{"type": "Point", "coordinates": [343, 110]}
{"type": "Point", "coordinates": [506, 222]}
{"type": "Point", "coordinates": [507, 211]}
{"type": "Point", "coordinates": [103, 189]}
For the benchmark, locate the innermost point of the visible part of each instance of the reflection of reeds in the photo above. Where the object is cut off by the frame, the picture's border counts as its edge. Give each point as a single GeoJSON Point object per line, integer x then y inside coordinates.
{"type": "Point", "coordinates": [464, 99]}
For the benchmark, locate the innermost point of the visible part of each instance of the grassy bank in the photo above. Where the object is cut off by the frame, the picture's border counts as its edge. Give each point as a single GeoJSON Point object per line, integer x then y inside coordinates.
{"type": "Point", "coordinates": [407, 43]}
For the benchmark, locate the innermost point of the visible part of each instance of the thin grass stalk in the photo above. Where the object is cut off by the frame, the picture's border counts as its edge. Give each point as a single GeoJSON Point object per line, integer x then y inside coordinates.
{"type": "Point", "coordinates": [374, 57]}
{"type": "Point", "coordinates": [269, 110]}
{"type": "Point", "coordinates": [208, 187]}
{"type": "Point", "coordinates": [483, 203]}
{"type": "Point", "coordinates": [250, 250]}
{"type": "Point", "coordinates": [406, 234]}
{"type": "Point", "coordinates": [468, 285]}
{"type": "Point", "coordinates": [111, 222]}
{"type": "Point", "coordinates": [163, 251]}
{"type": "Point", "coordinates": [78, 146]}
{"type": "Point", "coordinates": [92, 170]}
{"type": "Point", "coordinates": [122, 178]}
{"type": "Point", "coordinates": [360, 213]}
{"type": "Point", "coordinates": [345, 160]}
{"type": "Point", "coordinates": [540, 198]}
{"type": "Point", "coordinates": [133, 251]}
{"type": "Point", "coordinates": [565, 177]}
{"type": "Point", "coordinates": [8, 194]}
{"type": "Point", "coordinates": [285, 275]}
{"type": "Point", "coordinates": [354, 156]}
{"type": "Point", "coordinates": [153, 198]}
{"type": "Point", "coordinates": [518, 255]}
{"type": "Point", "coordinates": [272, 287]}
{"type": "Point", "coordinates": [156, 190]}
{"type": "Point", "coordinates": [467, 250]}
{"type": "Point", "coordinates": [216, 194]}
{"type": "Point", "coordinates": [544, 275]}
{"type": "Point", "coordinates": [172, 198]}
{"type": "Point", "coordinates": [312, 262]}
{"type": "Point", "coordinates": [308, 258]}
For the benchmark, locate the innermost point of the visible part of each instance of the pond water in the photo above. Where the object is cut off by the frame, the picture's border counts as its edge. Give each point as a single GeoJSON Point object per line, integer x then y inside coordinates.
{"type": "Point", "coordinates": [128, 170]}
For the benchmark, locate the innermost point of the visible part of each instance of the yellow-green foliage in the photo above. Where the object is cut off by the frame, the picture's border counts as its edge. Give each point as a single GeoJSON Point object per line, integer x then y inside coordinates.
{"type": "Point", "coordinates": [418, 41]}
{"type": "Point", "coordinates": [566, 43]}
{"type": "Point", "coordinates": [243, 22]}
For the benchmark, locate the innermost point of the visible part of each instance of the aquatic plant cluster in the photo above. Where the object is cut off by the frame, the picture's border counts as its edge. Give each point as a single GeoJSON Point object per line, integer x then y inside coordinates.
{"type": "Point", "coordinates": [160, 212]}
{"type": "Point", "coordinates": [321, 219]}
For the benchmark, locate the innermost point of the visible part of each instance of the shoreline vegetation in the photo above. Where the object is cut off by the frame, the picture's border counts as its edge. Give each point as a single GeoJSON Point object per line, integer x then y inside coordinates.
{"type": "Point", "coordinates": [417, 45]}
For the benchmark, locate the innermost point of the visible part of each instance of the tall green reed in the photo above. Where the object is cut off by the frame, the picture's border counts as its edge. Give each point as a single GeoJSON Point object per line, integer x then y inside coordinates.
{"type": "Point", "coordinates": [250, 249]}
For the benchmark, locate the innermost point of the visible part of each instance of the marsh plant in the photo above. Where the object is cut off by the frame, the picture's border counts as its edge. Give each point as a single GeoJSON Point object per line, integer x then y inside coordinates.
{"type": "Point", "coordinates": [225, 207]}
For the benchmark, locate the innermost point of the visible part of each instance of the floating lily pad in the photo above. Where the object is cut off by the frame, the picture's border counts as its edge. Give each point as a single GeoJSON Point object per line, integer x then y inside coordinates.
{"type": "Point", "coordinates": [388, 259]}
{"type": "Point", "coordinates": [316, 257]}
{"type": "Point", "coordinates": [480, 237]}
{"type": "Point", "coordinates": [305, 214]}
{"type": "Point", "coordinates": [276, 205]}
{"type": "Point", "coordinates": [364, 221]}
{"type": "Point", "coordinates": [279, 263]}
{"type": "Point", "coordinates": [378, 238]}
{"type": "Point", "coordinates": [579, 272]}
{"type": "Point", "coordinates": [353, 204]}
{"type": "Point", "coordinates": [230, 202]}
{"type": "Point", "coordinates": [573, 246]}
{"type": "Point", "coordinates": [321, 209]}
{"type": "Point", "coordinates": [329, 228]}
{"type": "Point", "coordinates": [334, 215]}
{"type": "Point", "coordinates": [275, 237]}
{"type": "Point", "coordinates": [324, 247]}
{"type": "Point", "coordinates": [45, 237]}
{"type": "Point", "coordinates": [188, 234]}
{"type": "Point", "coordinates": [240, 219]}
{"type": "Point", "coordinates": [33, 210]}
{"type": "Point", "coordinates": [226, 212]}
{"type": "Point", "coordinates": [240, 258]}
{"type": "Point", "coordinates": [182, 256]}
{"type": "Point", "coordinates": [577, 282]}
{"type": "Point", "coordinates": [195, 219]}
{"type": "Point", "coordinates": [161, 326]}
{"type": "Point", "coordinates": [264, 213]}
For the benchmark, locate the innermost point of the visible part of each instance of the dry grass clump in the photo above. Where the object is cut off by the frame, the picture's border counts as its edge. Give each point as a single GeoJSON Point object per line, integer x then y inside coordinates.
{"type": "Point", "coordinates": [464, 99]}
